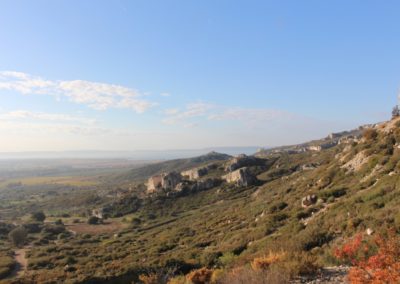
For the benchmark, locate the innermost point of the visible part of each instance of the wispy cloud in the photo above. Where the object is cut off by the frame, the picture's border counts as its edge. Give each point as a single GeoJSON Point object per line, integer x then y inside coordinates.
{"type": "Point", "coordinates": [99, 96]}
{"type": "Point", "coordinates": [28, 128]}
{"type": "Point", "coordinates": [198, 109]}
{"type": "Point", "coordinates": [52, 117]}
{"type": "Point", "coordinates": [210, 112]}
{"type": "Point", "coordinates": [251, 116]}
{"type": "Point", "coordinates": [30, 122]}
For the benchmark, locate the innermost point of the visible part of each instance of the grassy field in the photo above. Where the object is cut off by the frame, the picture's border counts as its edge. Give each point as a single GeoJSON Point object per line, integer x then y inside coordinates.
{"type": "Point", "coordinates": [60, 180]}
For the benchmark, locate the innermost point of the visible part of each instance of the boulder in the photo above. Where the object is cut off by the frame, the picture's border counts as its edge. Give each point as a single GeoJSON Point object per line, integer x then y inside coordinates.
{"type": "Point", "coordinates": [309, 200]}
{"type": "Point", "coordinates": [98, 213]}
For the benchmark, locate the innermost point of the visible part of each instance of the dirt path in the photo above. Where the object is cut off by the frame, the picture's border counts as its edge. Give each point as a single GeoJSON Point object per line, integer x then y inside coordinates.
{"type": "Point", "coordinates": [327, 275]}
{"type": "Point", "coordinates": [22, 262]}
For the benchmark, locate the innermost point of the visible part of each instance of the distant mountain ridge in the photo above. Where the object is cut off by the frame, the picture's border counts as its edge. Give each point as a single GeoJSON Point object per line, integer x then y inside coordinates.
{"type": "Point", "coordinates": [132, 155]}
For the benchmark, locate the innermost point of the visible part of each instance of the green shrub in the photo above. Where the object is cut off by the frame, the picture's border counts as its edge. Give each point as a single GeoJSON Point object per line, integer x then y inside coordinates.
{"type": "Point", "coordinates": [278, 207]}
{"type": "Point", "coordinates": [18, 236]}
{"type": "Point", "coordinates": [227, 258]}
{"type": "Point", "coordinates": [93, 220]}
{"type": "Point", "coordinates": [7, 265]}
{"type": "Point", "coordinates": [38, 216]}
{"type": "Point", "coordinates": [336, 193]}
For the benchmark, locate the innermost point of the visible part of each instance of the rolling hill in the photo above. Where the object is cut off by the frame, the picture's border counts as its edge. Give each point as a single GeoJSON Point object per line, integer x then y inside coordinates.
{"type": "Point", "coordinates": [304, 202]}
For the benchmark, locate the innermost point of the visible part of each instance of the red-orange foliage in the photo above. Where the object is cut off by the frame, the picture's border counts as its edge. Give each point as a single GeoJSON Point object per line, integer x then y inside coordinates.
{"type": "Point", "coordinates": [381, 266]}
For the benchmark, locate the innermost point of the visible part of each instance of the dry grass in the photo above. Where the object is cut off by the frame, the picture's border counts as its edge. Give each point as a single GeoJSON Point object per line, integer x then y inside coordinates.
{"type": "Point", "coordinates": [200, 276]}
{"type": "Point", "coordinates": [63, 180]}
{"type": "Point", "coordinates": [263, 263]}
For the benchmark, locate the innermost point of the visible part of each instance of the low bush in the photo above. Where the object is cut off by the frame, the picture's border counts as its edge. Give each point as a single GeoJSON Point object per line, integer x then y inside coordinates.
{"type": "Point", "coordinates": [264, 262]}
{"type": "Point", "coordinates": [200, 276]}
{"type": "Point", "coordinates": [7, 264]}
{"type": "Point", "coordinates": [370, 134]}
{"type": "Point", "coordinates": [93, 220]}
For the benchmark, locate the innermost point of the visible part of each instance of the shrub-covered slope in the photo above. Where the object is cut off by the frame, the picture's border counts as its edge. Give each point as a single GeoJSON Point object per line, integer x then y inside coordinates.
{"type": "Point", "coordinates": [304, 205]}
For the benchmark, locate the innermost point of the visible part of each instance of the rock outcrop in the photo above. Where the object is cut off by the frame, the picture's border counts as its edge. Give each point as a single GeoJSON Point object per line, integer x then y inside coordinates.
{"type": "Point", "coordinates": [241, 177]}
{"type": "Point", "coordinates": [309, 200]}
{"type": "Point", "coordinates": [195, 174]}
{"type": "Point", "coordinates": [166, 181]}
{"type": "Point", "coordinates": [99, 213]}
{"type": "Point", "coordinates": [356, 163]}
{"type": "Point", "coordinates": [190, 186]}
{"type": "Point", "coordinates": [242, 161]}
{"type": "Point", "coordinates": [154, 183]}
{"type": "Point", "coordinates": [309, 167]}
{"type": "Point", "coordinates": [320, 147]}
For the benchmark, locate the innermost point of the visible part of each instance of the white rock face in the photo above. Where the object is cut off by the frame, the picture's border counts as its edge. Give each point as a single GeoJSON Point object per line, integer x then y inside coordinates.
{"type": "Point", "coordinates": [240, 177]}
{"type": "Point", "coordinates": [314, 148]}
{"type": "Point", "coordinates": [167, 181]}
{"type": "Point", "coordinates": [240, 162]}
{"type": "Point", "coordinates": [357, 162]}
{"type": "Point", "coordinates": [98, 213]}
{"type": "Point", "coordinates": [194, 174]}
{"type": "Point", "coordinates": [154, 183]}
{"type": "Point", "coordinates": [170, 181]}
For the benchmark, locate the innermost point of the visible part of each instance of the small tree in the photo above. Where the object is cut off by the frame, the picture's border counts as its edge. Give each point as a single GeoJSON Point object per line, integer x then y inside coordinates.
{"type": "Point", "coordinates": [396, 112]}
{"type": "Point", "coordinates": [93, 220]}
{"type": "Point", "coordinates": [38, 216]}
{"type": "Point", "coordinates": [18, 236]}
{"type": "Point", "coordinates": [370, 134]}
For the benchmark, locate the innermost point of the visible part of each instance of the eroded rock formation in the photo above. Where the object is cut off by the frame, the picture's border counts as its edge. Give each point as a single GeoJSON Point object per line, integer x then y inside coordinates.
{"type": "Point", "coordinates": [241, 177]}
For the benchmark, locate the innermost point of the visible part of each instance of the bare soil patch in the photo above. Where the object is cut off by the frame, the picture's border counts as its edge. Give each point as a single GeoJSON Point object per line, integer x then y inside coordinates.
{"type": "Point", "coordinates": [107, 227]}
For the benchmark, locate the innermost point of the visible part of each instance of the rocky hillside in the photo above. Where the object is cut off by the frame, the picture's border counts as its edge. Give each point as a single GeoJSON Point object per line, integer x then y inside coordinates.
{"type": "Point", "coordinates": [275, 216]}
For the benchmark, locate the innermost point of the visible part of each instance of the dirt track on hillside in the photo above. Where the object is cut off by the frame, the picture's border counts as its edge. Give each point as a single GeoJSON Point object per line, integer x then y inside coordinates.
{"type": "Point", "coordinates": [21, 262]}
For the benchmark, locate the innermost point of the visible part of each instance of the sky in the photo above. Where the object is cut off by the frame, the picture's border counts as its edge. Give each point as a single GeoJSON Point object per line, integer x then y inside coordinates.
{"type": "Point", "coordinates": [157, 75]}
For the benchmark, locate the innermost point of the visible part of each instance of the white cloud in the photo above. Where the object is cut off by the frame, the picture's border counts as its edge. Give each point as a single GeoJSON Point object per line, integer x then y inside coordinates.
{"type": "Point", "coordinates": [96, 95]}
{"type": "Point", "coordinates": [165, 94]}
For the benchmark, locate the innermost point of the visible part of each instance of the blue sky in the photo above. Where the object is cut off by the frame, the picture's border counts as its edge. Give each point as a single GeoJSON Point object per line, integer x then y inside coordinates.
{"type": "Point", "coordinates": [131, 75]}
